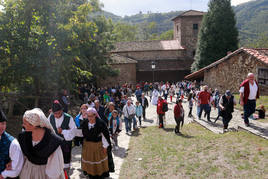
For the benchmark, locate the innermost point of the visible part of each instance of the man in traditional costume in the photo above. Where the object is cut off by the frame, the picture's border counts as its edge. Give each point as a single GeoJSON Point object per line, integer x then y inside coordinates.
{"type": "Point", "coordinates": [63, 124]}
{"type": "Point", "coordinates": [11, 157]}
{"type": "Point", "coordinates": [41, 148]}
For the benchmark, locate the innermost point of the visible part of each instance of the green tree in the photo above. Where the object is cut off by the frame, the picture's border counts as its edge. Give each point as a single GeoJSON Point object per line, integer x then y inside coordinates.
{"type": "Point", "coordinates": [261, 42]}
{"type": "Point", "coordinates": [125, 32]}
{"type": "Point", "coordinates": [48, 45]}
{"type": "Point", "coordinates": [218, 34]}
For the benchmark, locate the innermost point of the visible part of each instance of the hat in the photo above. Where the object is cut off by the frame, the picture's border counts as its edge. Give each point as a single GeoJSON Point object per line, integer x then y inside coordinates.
{"type": "Point", "coordinates": [3, 117]}
{"type": "Point", "coordinates": [56, 106]}
{"type": "Point", "coordinates": [228, 93]}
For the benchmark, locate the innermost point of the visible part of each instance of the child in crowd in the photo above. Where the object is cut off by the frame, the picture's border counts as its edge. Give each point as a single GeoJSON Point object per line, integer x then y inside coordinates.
{"type": "Point", "coordinates": [190, 102]}
{"type": "Point", "coordinates": [115, 127]}
{"type": "Point", "coordinates": [78, 121]}
{"type": "Point", "coordinates": [178, 115]}
{"type": "Point", "coordinates": [261, 111]}
{"type": "Point", "coordinates": [138, 111]}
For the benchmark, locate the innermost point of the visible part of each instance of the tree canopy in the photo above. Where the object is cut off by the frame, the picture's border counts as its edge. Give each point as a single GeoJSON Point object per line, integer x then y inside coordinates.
{"type": "Point", "coordinates": [49, 45]}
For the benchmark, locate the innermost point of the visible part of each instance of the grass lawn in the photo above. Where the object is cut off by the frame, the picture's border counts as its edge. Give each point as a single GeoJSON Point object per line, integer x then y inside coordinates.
{"type": "Point", "coordinates": [262, 100]}
{"type": "Point", "coordinates": [198, 153]}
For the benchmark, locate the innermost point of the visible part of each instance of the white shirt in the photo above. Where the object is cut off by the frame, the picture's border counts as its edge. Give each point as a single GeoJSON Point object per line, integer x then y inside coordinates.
{"type": "Point", "coordinates": [78, 133]}
{"type": "Point", "coordinates": [55, 163]}
{"type": "Point", "coordinates": [17, 160]}
{"type": "Point", "coordinates": [128, 110]}
{"type": "Point", "coordinates": [253, 89]}
{"type": "Point", "coordinates": [67, 134]}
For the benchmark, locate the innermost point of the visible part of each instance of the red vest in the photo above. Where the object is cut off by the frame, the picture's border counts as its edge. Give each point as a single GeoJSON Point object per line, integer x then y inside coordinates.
{"type": "Point", "coordinates": [245, 84]}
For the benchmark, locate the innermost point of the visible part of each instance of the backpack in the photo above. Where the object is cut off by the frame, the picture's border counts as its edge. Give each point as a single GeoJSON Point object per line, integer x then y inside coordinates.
{"type": "Point", "coordinates": [165, 106]}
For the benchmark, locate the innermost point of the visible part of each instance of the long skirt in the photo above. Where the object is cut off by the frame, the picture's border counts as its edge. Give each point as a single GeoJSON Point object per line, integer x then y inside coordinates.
{"type": "Point", "coordinates": [94, 161]}
{"type": "Point", "coordinates": [33, 171]}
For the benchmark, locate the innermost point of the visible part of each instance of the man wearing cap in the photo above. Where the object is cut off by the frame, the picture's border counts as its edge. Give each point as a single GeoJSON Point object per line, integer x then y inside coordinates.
{"type": "Point", "coordinates": [249, 92]}
{"type": "Point", "coordinates": [11, 157]}
{"type": "Point", "coordinates": [226, 104]}
{"type": "Point", "coordinates": [63, 124]}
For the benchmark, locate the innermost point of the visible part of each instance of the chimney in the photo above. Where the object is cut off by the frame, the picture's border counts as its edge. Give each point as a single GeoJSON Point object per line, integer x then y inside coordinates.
{"type": "Point", "coordinates": [229, 52]}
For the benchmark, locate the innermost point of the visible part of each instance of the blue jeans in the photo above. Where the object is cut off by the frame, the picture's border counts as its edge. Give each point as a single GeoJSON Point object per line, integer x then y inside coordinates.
{"type": "Point", "coordinates": [134, 123]}
{"type": "Point", "coordinates": [249, 109]}
{"type": "Point", "coordinates": [206, 108]}
{"type": "Point", "coordinates": [128, 124]}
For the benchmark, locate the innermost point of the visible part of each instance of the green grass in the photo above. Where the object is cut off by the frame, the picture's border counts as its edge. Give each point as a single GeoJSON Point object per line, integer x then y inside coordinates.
{"type": "Point", "coordinates": [262, 100]}
{"type": "Point", "coordinates": [198, 153]}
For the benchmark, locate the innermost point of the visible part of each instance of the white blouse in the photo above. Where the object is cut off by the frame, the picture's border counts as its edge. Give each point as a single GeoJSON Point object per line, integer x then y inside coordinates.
{"type": "Point", "coordinates": [17, 160]}
{"type": "Point", "coordinates": [55, 163]}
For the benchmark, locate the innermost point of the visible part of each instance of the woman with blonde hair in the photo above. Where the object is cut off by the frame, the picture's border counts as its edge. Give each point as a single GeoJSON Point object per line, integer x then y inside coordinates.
{"type": "Point", "coordinates": [41, 148]}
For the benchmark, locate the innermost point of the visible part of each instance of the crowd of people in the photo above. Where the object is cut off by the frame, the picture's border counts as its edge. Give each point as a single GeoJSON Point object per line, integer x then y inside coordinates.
{"type": "Point", "coordinates": [43, 149]}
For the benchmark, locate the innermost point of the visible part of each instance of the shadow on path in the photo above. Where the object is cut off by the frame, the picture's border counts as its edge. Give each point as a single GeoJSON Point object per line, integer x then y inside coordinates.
{"type": "Point", "coordinates": [121, 152]}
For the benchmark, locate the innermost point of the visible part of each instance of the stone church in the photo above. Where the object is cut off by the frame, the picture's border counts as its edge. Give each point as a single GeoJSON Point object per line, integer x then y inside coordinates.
{"type": "Point", "coordinates": [158, 60]}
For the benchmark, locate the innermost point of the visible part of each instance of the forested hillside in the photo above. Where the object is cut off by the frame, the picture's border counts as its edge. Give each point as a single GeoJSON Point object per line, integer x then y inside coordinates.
{"type": "Point", "coordinates": [252, 20]}
{"type": "Point", "coordinates": [252, 23]}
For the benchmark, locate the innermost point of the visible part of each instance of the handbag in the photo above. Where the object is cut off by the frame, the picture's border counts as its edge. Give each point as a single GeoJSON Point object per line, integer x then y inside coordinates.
{"type": "Point", "coordinates": [131, 116]}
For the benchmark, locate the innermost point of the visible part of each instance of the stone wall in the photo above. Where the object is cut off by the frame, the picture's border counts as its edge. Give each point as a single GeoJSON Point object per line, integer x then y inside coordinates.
{"type": "Point", "coordinates": [230, 73]}
{"type": "Point", "coordinates": [188, 34]}
{"type": "Point", "coordinates": [127, 73]}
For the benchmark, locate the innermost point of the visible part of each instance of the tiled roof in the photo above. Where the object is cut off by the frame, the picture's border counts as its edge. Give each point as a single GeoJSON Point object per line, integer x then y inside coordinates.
{"type": "Point", "coordinates": [190, 13]}
{"type": "Point", "coordinates": [154, 45]}
{"type": "Point", "coordinates": [259, 54]}
{"type": "Point", "coordinates": [118, 59]}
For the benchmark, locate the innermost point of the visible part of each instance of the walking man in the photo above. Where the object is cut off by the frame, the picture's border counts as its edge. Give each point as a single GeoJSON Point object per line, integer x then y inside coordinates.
{"type": "Point", "coordinates": [205, 98]}
{"type": "Point", "coordinates": [226, 104]}
{"type": "Point", "coordinates": [249, 92]}
{"type": "Point", "coordinates": [63, 124]}
{"type": "Point", "coordinates": [144, 103]}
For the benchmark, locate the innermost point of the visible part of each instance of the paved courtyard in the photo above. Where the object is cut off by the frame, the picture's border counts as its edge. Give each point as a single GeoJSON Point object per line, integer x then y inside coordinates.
{"type": "Point", "coordinates": [236, 123]}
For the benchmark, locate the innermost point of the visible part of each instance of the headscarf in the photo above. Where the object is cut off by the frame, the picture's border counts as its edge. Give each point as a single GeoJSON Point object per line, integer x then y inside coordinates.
{"type": "Point", "coordinates": [93, 110]}
{"type": "Point", "coordinates": [36, 117]}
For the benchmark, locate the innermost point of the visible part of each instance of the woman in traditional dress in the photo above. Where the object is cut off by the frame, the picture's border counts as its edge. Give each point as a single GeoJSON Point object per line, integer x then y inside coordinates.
{"type": "Point", "coordinates": [41, 148]}
{"type": "Point", "coordinates": [94, 150]}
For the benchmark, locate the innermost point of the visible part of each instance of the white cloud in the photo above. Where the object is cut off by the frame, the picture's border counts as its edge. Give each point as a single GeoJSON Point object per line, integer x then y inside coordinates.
{"type": "Point", "coordinates": [236, 2]}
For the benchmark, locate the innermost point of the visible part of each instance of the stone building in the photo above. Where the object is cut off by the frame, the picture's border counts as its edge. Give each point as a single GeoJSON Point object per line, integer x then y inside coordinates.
{"type": "Point", "coordinates": [231, 70]}
{"type": "Point", "coordinates": [172, 58]}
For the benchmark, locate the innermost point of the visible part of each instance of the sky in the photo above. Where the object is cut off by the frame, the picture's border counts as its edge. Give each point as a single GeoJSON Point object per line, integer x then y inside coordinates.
{"type": "Point", "coordinates": [131, 7]}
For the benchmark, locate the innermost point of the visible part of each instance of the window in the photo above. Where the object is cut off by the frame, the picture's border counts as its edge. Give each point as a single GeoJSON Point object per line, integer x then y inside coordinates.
{"type": "Point", "coordinates": [263, 76]}
{"type": "Point", "coordinates": [177, 28]}
{"type": "Point", "coordinates": [193, 53]}
{"type": "Point", "coordinates": [195, 26]}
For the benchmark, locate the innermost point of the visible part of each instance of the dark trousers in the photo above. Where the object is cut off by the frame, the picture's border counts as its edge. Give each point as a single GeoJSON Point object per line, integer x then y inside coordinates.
{"type": "Point", "coordinates": [161, 120]}
{"type": "Point", "coordinates": [249, 109]}
{"type": "Point", "coordinates": [179, 122]}
{"type": "Point", "coordinates": [206, 108]}
{"type": "Point", "coordinates": [226, 118]}
{"type": "Point", "coordinates": [190, 112]}
{"type": "Point", "coordinates": [143, 112]}
{"type": "Point", "coordinates": [139, 117]}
